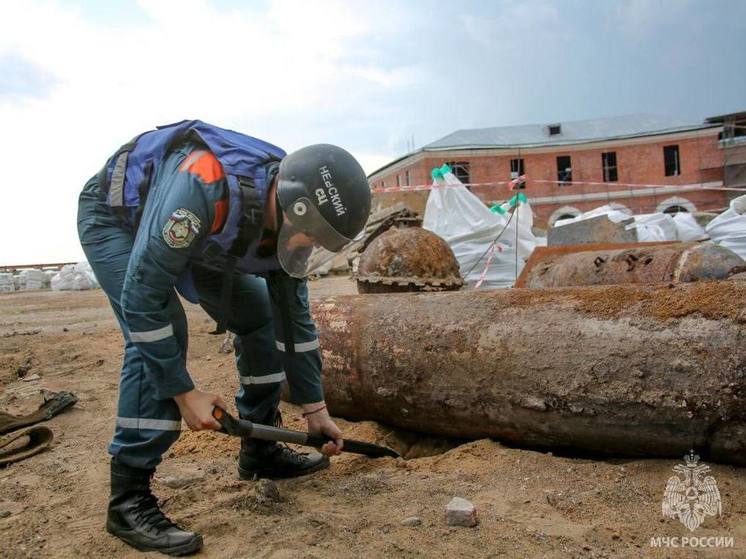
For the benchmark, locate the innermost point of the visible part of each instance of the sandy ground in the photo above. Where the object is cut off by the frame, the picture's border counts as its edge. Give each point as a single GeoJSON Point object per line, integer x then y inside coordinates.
{"type": "Point", "coordinates": [530, 504]}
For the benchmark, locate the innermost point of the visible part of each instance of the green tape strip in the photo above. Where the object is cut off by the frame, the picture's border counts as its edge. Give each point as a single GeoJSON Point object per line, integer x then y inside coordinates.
{"type": "Point", "coordinates": [520, 197]}
{"type": "Point", "coordinates": [440, 172]}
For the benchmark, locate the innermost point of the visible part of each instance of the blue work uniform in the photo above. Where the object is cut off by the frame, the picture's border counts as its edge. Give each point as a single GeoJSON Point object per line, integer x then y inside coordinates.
{"type": "Point", "coordinates": [139, 269]}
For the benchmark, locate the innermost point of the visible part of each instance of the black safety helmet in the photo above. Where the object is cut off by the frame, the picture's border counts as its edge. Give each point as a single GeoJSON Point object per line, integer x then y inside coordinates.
{"type": "Point", "coordinates": [324, 195]}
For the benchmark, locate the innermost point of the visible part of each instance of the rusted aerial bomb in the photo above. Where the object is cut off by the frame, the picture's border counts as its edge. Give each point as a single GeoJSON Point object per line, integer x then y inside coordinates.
{"type": "Point", "coordinates": [610, 264]}
{"type": "Point", "coordinates": [407, 259]}
{"type": "Point", "coordinates": [619, 370]}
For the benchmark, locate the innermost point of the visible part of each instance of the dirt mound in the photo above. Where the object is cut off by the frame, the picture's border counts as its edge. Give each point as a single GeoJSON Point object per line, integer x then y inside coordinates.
{"type": "Point", "coordinates": [529, 504]}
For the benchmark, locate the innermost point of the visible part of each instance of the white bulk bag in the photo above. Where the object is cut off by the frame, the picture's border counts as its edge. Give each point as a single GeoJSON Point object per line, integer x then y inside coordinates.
{"type": "Point", "coordinates": [469, 227]}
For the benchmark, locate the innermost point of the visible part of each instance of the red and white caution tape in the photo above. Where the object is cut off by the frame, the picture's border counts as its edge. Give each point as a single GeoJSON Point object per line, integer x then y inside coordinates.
{"type": "Point", "coordinates": [568, 184]}
{"type": "Point", "coordinates": [495, 246]}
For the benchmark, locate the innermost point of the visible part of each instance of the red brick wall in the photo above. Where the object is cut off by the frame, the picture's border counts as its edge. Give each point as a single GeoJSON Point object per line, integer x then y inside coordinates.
{"type": "Point", "coordinates": [639, 162]}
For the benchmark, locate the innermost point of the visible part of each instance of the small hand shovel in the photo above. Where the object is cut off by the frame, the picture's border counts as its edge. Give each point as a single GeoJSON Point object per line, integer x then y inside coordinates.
{"type": "Point", "coordinates": [244, 428]}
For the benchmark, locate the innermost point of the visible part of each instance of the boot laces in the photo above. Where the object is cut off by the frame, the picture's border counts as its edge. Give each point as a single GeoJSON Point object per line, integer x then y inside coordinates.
{"type": "Point", "coordinates": [151, 515]}
{"type": "Point", "coordinates": [285, 449]}
{"type": "Point", "coordinates": [289, 453]}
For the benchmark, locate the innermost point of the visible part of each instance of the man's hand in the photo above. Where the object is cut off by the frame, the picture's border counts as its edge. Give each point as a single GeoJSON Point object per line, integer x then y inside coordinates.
{"type": "Point", "coordinates": [320, 423]}
{"type": "Point", "coordinates": [196, 409]}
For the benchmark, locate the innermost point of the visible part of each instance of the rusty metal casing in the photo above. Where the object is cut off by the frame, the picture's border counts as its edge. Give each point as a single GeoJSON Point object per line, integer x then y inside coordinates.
{"type": "Point", "coordinates": [618, 370]}
{"type": "Point", "coordinates": [631, 263]}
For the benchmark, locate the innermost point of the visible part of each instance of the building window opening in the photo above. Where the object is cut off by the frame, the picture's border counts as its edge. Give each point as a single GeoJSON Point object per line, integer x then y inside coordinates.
{"type": "Point", "coordinates": [565, 216]}
{"type": "Point", "coordinates": [398, 181]}
{"type": "Point", "coordinates": [461, 170]}
{"type": "Point", "coordinates": [408, 178]}
{"type": "Point", "coordinates": [554, 129]}
{"type": "Point", "coordinates": [564, 170]}
{"type": "Point", "coordinates": [675, 210]}
{"type": "Point", "coordinates": [671, 160]}
{"type": "Point", "coordinates": [516, 168]}
{"type": "Point", "coordinates": [608, 160]}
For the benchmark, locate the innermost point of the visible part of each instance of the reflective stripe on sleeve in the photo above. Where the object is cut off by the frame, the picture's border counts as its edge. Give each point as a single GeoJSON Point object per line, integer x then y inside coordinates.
{"type": "Point", "coordinates": [144, 423]}
{"type": "Point", "coordinates": [116, 188]}
{"type": "Point", "coordinates": [263, 379]}
{"type": "Point", "coordinates": [153, 335]}
{"type": "Point", "coordinates": [302, 346]}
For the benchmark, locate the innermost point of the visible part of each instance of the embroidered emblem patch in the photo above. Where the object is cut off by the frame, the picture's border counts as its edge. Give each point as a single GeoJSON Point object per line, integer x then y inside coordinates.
{"type": "Point", "coordinates": [181, 228]}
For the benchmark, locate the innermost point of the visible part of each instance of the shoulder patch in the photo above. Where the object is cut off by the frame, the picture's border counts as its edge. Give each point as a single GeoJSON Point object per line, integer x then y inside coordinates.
{"type": "Point", "coordinates": [203, 164]}
{"type": "Point", "coordinates": [181, 228]}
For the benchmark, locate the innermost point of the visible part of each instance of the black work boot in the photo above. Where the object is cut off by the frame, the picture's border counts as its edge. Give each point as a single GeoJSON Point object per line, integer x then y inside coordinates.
{"type": "Point", "coordinates": [268, 459]}
{"type": "Point", "coordinates": [134, 516]}
{"type": "Point", "coordinates": [259, 459]}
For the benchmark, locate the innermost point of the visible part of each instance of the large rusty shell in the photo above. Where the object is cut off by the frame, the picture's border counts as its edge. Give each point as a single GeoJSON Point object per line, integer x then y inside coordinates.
{"type": "Point", "coordinates": [649, 264]}
{"type": "Point", "coordinates": [408, 259]}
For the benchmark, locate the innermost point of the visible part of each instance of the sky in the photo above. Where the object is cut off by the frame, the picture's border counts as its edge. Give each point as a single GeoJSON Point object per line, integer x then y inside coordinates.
{"type": "Point", "coordinates": [79, 78]}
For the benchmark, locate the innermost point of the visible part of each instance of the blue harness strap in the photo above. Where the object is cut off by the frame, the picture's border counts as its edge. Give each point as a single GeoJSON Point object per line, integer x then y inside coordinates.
{"type": "Point", "coordinates": [249, 164]}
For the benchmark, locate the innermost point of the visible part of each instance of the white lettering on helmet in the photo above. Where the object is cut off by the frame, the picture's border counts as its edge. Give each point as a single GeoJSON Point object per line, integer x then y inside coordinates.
{"type": "Point", "coordinates": [331, 191]}
{"type": "Point", "coordinates": [321, 196]}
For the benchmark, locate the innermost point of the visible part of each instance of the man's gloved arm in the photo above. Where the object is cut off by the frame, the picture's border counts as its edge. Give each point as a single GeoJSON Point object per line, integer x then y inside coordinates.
{"type": "Point", "coordinates": [303, 368]}
{"type": "Point", "coordinates": [167, 235]}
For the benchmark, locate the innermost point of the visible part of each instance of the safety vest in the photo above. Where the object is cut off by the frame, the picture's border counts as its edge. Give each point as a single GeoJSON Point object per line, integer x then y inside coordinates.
{"type": "Point", "coordinates": [248, 164]}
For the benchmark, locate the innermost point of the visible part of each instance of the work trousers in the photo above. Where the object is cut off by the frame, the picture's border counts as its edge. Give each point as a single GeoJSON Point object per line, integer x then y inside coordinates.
{"type": "Point", "coordinates": [146, 427]}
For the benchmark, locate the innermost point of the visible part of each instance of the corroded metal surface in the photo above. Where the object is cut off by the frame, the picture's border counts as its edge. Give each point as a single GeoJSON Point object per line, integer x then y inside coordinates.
{"type": "Point", "coordinates": [407, 259]}
{"type": "Point", "coordinates": [619, 370]}
{"type": "Point", "coordinates": [650, 264]}
{"type": "Point", "coordinates": [402, 219]}
{"type": "Point", "coordinates": [378, 222]}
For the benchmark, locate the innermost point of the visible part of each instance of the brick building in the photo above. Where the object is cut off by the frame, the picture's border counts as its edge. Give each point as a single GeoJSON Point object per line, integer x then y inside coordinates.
{"type": "Point", "coordinates": [571, 167]}
{"type": "Point", "coordinates": [733, 142]}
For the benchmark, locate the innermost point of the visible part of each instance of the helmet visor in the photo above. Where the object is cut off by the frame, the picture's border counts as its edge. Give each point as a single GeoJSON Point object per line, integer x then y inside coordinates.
{"type": "Point", "coordinates": [303, 230]}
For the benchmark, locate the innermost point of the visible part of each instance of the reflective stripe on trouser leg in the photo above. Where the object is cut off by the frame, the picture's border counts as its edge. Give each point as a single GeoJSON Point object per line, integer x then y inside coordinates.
{"type": "Point", "coordinates": [257, 360]}
{"type": "Point", "coordinates": [146, 427]}
{"type": "Point", "coordinates": [153, 335]}
{"type": "Point", "coordinates": [300, 347]}
{"type": "Point", "coordinates": [107, 248]}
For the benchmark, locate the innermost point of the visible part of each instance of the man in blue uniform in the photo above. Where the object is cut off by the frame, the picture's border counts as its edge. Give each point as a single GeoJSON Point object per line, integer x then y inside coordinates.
{"type": "Point", "coordinates": [229, 222]}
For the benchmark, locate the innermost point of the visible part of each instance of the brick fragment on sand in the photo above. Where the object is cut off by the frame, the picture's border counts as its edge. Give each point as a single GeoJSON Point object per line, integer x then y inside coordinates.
{"type": "Point", "coordinates": [460, 512]}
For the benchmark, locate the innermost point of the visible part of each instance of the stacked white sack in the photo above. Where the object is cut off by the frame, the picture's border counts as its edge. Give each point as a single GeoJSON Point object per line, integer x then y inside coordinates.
{"type": "Point", "coordinates": [32, 279]}
{"type": "Point", "coordinates": [48, 275]}
{"type": "Point", "coordinates": [469, 228]}
{"type": "Point", "coordinates": [75, 277]}
{"type": "Point", "coordinates": [687, 228]}
{"type": "Point", "coordinates": [84, 269]}
{"type": "Point", "coordinates": [6, 283]}
{"type": "Point", "coordinates": [651, 227]}
{"type": "Point", "coordinates": [729, 228]}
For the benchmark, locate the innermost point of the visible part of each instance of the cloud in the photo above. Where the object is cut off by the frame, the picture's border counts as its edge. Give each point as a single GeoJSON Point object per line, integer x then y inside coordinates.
{"type": "Point", "coordinates": [639, 17]}
{"type": "Point", "coordinates": [21, 78]}
{"type": "Point", "coordinates": [513, 23]}
{"type": "Point", "coordinates": [286, 71]}
{"type": "Point", "coordinates": [81, 77]}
